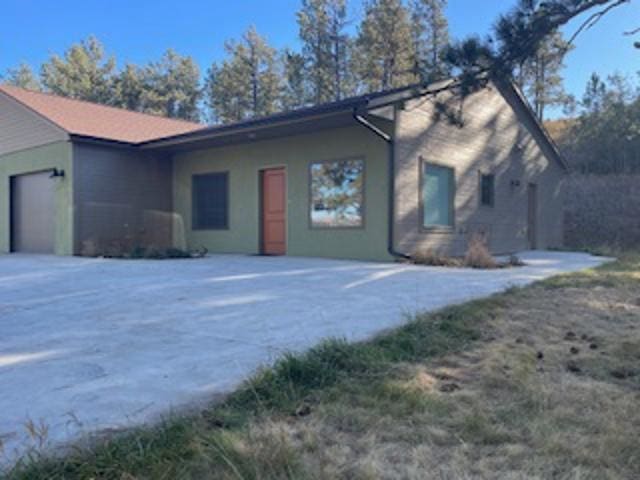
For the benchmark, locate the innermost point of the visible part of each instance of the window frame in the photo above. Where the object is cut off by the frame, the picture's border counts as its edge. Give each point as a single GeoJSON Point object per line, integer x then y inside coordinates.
{"type": "Point", "coordinates": [481, 177]}
{"type": "Point", "coordinates": [194, 204]}
{"type": "Point", "coordinates": [452, 196]}
{"type": "Point", "coordinates": [363, 215]}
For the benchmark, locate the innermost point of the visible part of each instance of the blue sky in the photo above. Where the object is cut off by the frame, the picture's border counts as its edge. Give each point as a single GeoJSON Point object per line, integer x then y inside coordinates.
{"type": "Point", "coordinates": [140, 30]}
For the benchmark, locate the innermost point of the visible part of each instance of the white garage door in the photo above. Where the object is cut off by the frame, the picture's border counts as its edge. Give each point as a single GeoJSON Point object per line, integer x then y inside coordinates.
{"type": "Point", "coordinates": [33, 213]}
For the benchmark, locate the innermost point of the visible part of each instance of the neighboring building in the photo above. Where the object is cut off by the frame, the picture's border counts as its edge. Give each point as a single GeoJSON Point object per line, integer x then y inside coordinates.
{"type": "Point", "coordinates": [370, 177]}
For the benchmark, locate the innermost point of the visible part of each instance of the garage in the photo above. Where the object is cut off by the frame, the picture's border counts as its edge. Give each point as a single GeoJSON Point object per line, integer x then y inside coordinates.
{"type": "Point", "coordinates": [33, 213]}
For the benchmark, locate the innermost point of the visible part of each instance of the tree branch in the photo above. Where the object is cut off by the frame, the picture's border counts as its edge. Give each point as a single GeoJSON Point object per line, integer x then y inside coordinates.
{"type": "Point", "coordinates": [596, 17]}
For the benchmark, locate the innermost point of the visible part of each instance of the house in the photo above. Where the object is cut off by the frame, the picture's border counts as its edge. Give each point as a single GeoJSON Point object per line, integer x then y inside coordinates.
{"type": "Point", "coordinates": [372, 177]}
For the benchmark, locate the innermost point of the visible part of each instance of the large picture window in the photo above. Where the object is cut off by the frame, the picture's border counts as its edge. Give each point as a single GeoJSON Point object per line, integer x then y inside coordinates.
{"type": "Point", "coordinates": [337, 194]}
{"type": "Point", "coordinates": [211, 201]}
{"type": "Point", "coordinates": [437, 196]}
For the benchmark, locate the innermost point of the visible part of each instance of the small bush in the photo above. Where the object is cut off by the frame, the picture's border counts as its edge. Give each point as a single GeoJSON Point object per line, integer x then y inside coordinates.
{"type": "Point", "coordinates": [478, 254]}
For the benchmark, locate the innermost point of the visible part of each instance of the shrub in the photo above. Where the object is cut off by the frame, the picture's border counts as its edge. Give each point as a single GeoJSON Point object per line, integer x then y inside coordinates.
{"type": "Point", "coordinates": [478, 254]}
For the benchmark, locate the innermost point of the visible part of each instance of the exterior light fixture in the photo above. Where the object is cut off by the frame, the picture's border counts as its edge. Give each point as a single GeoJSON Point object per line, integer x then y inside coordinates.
{"type": "Point", "coordinates": [55, 173]}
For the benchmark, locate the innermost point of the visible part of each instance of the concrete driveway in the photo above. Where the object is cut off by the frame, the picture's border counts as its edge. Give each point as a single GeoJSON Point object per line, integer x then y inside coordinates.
{"type": "Point", "coordinates": [88, 345]}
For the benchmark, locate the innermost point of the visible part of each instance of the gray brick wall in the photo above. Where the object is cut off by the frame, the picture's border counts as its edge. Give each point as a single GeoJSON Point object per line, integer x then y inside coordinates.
{"type": "Point", "coordinates": [497, 138]}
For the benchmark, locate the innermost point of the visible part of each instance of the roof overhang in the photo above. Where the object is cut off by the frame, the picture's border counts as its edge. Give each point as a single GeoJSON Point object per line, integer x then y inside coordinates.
{"type": "Point", "coordinates": [305, 120]}
{"type": "Point", "coordinates": [253, 132]}
{"type": "Point", "coordinates": [87, 139]}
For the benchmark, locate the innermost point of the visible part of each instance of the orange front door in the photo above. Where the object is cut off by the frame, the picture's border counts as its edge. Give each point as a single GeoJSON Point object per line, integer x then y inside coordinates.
{"type": "Point", "coordinates": [274, 211]}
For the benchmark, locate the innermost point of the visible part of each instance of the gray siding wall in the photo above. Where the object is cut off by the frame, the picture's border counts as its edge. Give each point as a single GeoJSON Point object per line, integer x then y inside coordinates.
{"type": "Point", "coordinates": [498, 138]}
{"type": "Point", "coordinates": [123, 198]}
{"type": "Point", "coordinates": [21, 129]}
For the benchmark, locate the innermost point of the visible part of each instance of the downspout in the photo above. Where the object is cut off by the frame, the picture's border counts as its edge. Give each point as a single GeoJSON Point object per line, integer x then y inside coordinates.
{"type": "Point", "coordinates": [392, 181]}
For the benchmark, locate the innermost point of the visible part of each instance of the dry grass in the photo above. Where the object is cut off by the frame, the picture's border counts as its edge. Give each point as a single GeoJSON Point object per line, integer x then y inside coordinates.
{"type": "Point", "coordinates": [555, 394]}
{"type": "Point", "coordinates": [540, 382]}
{"type": "Point", "coordinates": [431, 258]}
{"type": "Point", "coordinates": [476, 256]}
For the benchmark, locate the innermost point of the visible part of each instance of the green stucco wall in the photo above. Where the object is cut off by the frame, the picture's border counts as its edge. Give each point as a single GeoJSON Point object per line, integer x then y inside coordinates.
{"type": "Point", "coordinates": [244, 162]}
{"type": "Point", "coordinates": [56, 155]}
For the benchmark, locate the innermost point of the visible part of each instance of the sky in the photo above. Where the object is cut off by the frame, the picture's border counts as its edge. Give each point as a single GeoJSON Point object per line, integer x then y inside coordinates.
{"type": "Point", "coordinates": [141, 30]}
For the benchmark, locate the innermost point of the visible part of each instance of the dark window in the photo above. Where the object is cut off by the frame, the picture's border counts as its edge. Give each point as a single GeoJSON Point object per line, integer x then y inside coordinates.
{"type": "Point", "coordinates": [438, 187]}
{"type": "Point", "coordinates": [487, 190]}
{"type": "Point", "coordinates": [211, 201]}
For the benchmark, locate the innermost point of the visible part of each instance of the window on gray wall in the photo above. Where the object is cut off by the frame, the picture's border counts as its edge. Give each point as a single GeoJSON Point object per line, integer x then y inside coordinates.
{"type": "Point", "coordinates": [438, 191]}
{"type": "Point", "coordinates": [211, 201]}
{"type": "Point", "coordinates": [487, 190]}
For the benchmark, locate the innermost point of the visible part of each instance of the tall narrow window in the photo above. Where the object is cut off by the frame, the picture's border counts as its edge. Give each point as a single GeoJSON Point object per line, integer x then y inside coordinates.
{"type": "Point", "coordinates": [337, 194]}
{"type": "Point", "coordinates": [211, 201]}
{"type": "Point", "coordinates": [487, 190]}
{"type": "Point", "coordinates": [437, 195]}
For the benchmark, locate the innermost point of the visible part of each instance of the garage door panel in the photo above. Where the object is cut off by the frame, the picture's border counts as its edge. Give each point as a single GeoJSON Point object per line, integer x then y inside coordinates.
{"type": "Point", "coordinates": [33, 213]}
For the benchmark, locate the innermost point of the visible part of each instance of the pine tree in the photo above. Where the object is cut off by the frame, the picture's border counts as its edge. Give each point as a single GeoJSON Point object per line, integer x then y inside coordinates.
{"type": "Point", "coordinates": [385, 56]}
{"type": "Point", "coordinates": [84, 72]}
{"type": "Point", "coordinates": [247, 84]}
{"type": "Point", "coordinates": [326, 48]}
{"type": "Point", "coordinates": [294, 88]}
{"type": "Point", "coordinates": [595, 95]}
{"type": "Point", "coordinates": [22, 77]}
{"type": "Point", "coordinates": [129, 89]}
{"type": "Point", "coordinates": [171, 87]}
{"type": "Point", "coordinates": [540, 76]}
{"type": "Point", "coordinates": [430, 34]}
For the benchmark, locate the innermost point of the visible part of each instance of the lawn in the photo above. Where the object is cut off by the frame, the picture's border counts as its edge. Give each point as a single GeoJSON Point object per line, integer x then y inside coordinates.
{"type": "Point", "coordinates": [537, 382]}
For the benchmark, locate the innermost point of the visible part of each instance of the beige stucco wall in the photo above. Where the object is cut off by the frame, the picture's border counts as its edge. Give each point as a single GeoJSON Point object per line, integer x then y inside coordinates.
{"type": "Point", "coordinates": [495, 139]}
{"type": "Point", "coordinates": [243, 162]}
{"type": "Point", "coordinates": [57, 155]}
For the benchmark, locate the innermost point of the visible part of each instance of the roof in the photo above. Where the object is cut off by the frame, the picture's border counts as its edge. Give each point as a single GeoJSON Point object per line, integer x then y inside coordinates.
{"type": "Point", "coordinates": [88, 119]}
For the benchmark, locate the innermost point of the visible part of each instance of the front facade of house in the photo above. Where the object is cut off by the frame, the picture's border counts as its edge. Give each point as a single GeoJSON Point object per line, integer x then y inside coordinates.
{"type": "Point", "coordinates": [368, 178]}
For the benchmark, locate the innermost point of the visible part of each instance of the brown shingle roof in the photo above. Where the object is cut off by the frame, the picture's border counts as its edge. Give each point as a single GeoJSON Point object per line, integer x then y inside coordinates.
{"type": "Point", "coordinates": [93, 120]}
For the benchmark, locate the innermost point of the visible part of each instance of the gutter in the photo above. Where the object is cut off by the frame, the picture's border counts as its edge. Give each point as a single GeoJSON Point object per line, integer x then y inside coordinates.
{"type": "Point", "coordinates": [392, 183]}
